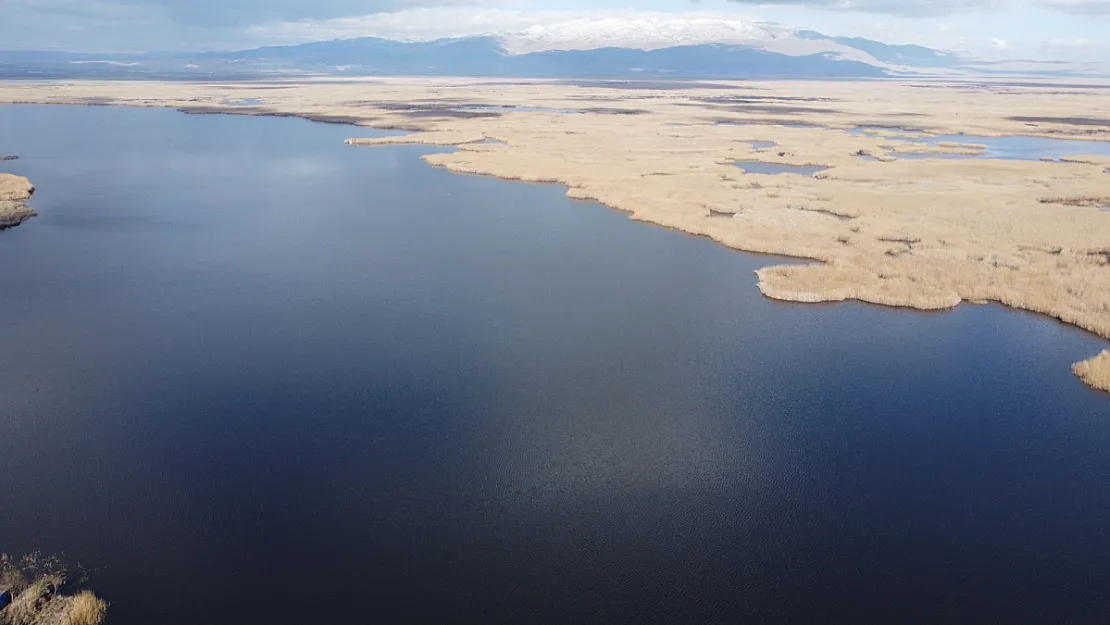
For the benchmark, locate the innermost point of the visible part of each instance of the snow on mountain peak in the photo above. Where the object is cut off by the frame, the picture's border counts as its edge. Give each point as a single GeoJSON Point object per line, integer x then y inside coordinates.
{"type": "Point", "coordinates": [645, 32]}
{"type": "Point", "coordinates": [522, 32]}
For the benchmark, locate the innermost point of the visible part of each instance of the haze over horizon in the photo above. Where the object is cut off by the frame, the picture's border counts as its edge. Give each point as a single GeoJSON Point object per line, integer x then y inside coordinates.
{"type": "Point", "coordinates": [1065, 30]}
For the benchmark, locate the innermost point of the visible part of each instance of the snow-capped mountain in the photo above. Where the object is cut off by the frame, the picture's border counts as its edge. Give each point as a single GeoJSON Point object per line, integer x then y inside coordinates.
{"type": "Point", "coordinates": [523, 32]}
{"type": "Point", "coordinates": [644, 33]}
{"type": "Point", "coordinates": [692, 48]}
{"type": "Point", "coordinates": [655, 32]}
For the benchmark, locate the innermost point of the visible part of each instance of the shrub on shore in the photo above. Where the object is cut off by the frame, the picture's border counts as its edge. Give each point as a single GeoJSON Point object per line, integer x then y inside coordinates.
{"type": "Point", "coordinates": [36, 582]}
{"type": "Point", "coordinates": [85, 609]}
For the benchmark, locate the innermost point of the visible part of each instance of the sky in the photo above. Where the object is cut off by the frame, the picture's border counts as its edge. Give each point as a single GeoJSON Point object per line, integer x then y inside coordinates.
{"type": "Point", "coordinates": [1073, 30]}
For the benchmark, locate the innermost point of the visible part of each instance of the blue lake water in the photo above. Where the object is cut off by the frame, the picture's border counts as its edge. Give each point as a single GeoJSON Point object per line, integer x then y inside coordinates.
{"type": "Point", "coordinates": [760, 167]}
{"type": "Point", "coordinates": [254, 376]}
{"type": "Point", "coordinates": [1021, 148]}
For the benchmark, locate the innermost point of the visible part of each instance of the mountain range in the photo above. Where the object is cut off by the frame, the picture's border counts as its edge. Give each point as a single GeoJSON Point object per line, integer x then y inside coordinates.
{"type": "Point", "coordinates": [797, 54]}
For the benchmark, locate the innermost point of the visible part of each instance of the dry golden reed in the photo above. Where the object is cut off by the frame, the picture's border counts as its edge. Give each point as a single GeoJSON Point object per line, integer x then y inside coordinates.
{"type": "Point", "coordinates": [85, 609]}
{"type": "Point", "coordinates": [1096, 371]}
{"type": "Point", "coordinates": [14, 192]}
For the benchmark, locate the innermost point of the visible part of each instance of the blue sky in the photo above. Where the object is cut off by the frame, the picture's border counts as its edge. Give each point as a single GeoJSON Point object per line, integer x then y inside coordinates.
{"type": "Point", "coordinates": [1044, 29]}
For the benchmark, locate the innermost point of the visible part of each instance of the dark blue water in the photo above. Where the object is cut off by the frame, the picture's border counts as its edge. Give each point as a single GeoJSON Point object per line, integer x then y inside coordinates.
{"type": "Point", "coordinates": [253, 376]}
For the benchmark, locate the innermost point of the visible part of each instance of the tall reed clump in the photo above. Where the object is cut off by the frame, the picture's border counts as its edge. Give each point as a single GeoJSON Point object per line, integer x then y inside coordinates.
{"type": "Point", "coordinates": [36, 583]}
{"type": "Point", "coordinates": [1096, 371]}
{"type": "Point", "coordinates": [85, 609]}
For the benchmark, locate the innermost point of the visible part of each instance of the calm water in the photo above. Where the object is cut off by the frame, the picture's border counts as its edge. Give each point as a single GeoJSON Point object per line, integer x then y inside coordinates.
{"type": "Point", "coordinates": [1020, 148]}
{"type": "Point", "coordinates": [760, 167]}
{"type": "Point", "coordinates": [254, 376]}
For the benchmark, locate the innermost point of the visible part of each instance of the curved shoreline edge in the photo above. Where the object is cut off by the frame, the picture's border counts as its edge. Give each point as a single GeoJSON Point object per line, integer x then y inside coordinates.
{"type": "Point", "coordinates": [820, 282]}
{"type": "Point", "coordinates": [926, 234]}
{"type": "Point", "coordinates": [1094, 372]}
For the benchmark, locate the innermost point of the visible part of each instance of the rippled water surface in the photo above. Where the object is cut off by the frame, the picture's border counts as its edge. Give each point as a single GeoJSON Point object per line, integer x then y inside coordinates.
{"type": "Point", "coordinates": [254, 376]}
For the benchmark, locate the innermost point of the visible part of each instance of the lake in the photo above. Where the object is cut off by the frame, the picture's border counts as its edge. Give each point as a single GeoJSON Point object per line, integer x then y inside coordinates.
{"type": "Point", "coordinates": [254, 376]}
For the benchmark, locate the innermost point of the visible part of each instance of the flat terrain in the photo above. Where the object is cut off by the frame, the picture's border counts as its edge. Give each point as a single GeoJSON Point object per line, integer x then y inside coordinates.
{"type": "Point", "coordinates": [895, 219]}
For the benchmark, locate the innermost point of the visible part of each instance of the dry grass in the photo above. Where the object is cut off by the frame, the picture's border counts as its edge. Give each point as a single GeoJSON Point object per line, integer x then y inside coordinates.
{"type": "Point", "coordinates": [14, 188]}
{"type": "Point", "coordinates": [14, 193]}
{"type": "Point", "coordinates": [85, 609]}
{"type": "Point", "coordinates": [1096, 371]}
{"type": "Point", "coordinates": [1092, 201]}
{"type": "Point", "coordinates": [25, 608]}
{"type": "Point", "coordinates": [34, 581]}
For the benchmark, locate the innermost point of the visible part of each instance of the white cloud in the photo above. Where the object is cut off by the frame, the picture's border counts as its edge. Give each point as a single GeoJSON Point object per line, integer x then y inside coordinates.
{"type": "Point", "coordinates": [137, 25]}
{"type": "Point", "coordinates": [1040, 28]}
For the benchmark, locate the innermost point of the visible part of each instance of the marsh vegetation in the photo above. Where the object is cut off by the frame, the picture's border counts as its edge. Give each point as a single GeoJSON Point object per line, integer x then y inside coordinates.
{"type": "Point", "coordinates": [38, 585]}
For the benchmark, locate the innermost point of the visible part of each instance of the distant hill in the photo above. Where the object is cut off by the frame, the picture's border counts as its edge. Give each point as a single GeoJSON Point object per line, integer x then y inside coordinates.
{"type": "Point", "coordinates": [476, 56]}
{"type": "Point", "coordinates": [486, 56]}
{"type": "Point", "coordinates": [903, 54]}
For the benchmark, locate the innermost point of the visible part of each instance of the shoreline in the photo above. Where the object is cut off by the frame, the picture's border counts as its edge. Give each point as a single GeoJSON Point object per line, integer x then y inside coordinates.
{"type": "Point", "coordinates": [898, 238]}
